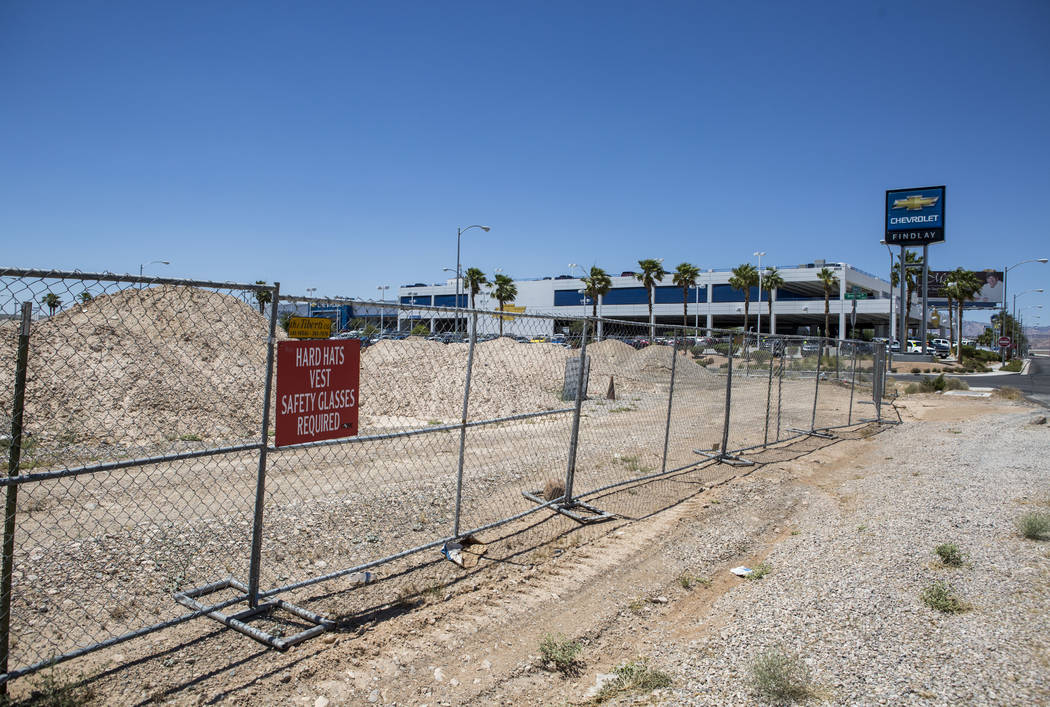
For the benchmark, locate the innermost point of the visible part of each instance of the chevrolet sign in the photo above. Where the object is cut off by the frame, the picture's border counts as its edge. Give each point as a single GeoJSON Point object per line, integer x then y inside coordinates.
{"type": "Point", "coordinates": [915, 216]}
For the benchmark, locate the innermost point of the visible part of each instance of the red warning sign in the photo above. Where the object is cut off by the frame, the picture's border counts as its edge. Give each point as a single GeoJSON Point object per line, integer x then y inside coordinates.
{"type": "Point", "coordinates": [317, 390]}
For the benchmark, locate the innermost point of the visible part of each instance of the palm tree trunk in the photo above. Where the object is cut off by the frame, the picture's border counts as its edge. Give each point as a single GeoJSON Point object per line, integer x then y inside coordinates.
{"type": "Point", "coordinates": [747, 305]}
{"type": "Point", "coordinates": [652, 324]}
{"type": "Point", "coordinates": [594, 307]}
{"type": "Point", "coordinates": [685, 308]}
{"type": "Point", "coordinates": [960, 304]}
{"type": "Point", "coordinates": [501, 317]}
{"type": "Point", "coordinates": [951, 325]}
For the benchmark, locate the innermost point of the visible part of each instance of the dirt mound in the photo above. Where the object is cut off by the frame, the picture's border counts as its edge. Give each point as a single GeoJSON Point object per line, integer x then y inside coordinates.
{"type": "Point", "coordinates": [143, 367]}
{"type": "Point", "coordinates": [425, 379]}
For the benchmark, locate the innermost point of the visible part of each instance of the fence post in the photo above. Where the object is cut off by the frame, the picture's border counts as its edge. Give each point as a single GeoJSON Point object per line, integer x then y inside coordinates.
{"type": "Point", "coordinates": [463, 422]}
{"type": "Point", "coordinates": [670, 399]}
{"type": "Point", "coordinates": [574, 434]}
{"type": "Point", "coordinates": [769, 394]}
{"type": "Point", "coordinates": [852, 383]}
{"type": "Point", "coordinates": [780, 386]}
{"type": "Point", "coordinates": [816, 390]}
{"type": "Point", "coordinates": [260, 479]}
{"type": "Point", "coordinates": [729, 401]}
{"type": "Point", "coordinates": [14, 458]}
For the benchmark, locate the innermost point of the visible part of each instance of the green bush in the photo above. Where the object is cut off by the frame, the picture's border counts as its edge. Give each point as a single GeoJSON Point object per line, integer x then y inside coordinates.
{"type": "Point", "coordinates": [1034, 525]}
{"type": "Point", "coordinates": [562, 653]}
{"type": "Point", "coordinates": [420, 330]}
{"type": "Point", "coordinates": [633, 676]}
{"type": "Point", "coordinates": [979, 354]}
{"type": "Point", "coordinates": [949, 554]}
{"type": "Point", "coordinates": [697, 351]}
{"type": "Point", "coordinates": [722, 349]}
{"type": "Point", "coordinates": [1013, 366]}
{"type": "Point", "coordinates": [778, 677]}
{"type": "Point", "coordinates": [941, 597]}
{"type": "Point", "coordinates": [761, 357]}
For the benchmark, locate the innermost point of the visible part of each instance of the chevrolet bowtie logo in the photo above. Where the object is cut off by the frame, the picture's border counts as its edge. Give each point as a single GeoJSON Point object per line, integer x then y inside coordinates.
{"type": "Point", "coordinates": [915, 202]}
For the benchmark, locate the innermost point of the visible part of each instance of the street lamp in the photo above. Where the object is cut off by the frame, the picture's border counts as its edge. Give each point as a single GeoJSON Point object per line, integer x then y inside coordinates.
{"type": "Point", "coordinates": [1006, 274]}
{"type": "Point", "coordinates": [310, 305]}
{"type": "Point", "coordinates": [758, 330]}
{"type": "Point", "coordinates": [382, 298]}
{"type": "Point", "coordinates": [143, 265]}
{"type": "Point", "coordinates": [892, 333]}
{"type": "Point", "coordinates": [1021, 294]}
{"type": "Point", "coordinates": [459, 235]}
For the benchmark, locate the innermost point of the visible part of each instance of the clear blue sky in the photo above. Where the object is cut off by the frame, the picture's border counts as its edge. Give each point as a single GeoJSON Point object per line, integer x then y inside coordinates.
{"type": "Point", "coordinates": [338, 145]}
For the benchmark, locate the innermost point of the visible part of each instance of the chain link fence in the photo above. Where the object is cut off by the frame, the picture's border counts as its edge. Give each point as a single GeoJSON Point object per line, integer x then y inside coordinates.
{"type": "Point", "coordinates": [144, 490]}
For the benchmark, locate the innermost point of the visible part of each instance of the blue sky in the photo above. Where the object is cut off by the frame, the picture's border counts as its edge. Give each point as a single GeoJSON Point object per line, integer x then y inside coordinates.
{"type": "Point", "coordinates": [339, 145]}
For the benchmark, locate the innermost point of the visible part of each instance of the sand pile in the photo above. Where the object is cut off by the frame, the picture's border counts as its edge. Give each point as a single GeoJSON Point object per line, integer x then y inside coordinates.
{"type": "Point", "coordinates": [170, 363]}
{"type": "Point", "coordinates": [140, 366]}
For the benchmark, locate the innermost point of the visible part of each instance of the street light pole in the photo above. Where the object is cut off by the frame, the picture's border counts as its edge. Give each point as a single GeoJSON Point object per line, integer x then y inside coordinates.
{"type": "Point", "coordinates": [1006, 274]}
{"type": "Point", "coordinates": [758, 329]}
{"type": "Point", "coordinates": [459, 235]}
{"type": "Point", "coordinates": [143, 265]}
{"type": "Point", "coordinates": [382, 298]}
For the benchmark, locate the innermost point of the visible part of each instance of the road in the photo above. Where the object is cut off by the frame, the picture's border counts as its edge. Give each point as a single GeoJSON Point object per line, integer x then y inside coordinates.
{"type": "Point", "coordinates": [1035, 384]}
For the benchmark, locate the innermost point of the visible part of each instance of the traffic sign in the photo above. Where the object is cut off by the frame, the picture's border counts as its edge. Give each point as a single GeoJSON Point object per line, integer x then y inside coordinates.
{"type": "Point", "coordinates": [1004, 340]}
{"type": "Point", "coordinates": [856, 294]}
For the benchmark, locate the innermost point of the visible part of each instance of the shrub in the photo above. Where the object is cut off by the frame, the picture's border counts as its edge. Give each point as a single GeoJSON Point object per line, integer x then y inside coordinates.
{"type": "Point", "coordinates": [979, 354]}
{"type": "Point", "coordinates": [722, 349]}
{"type": "Point", "coordinates": [761, 357]}
{"type": "Point", "coordinates": [916, 370]}
{"type": "Point", "coordinates": [420, 330]}
{"type": "Point", "coordinates": [633, 676]}
{"type": "Point", "coordinates": [1008, 392]}
{"type": "Point", "coordinates": [1034, 525]}
{"type": "Point", "coordinates": [562, 653]}
{"type": "Point", "coordinates": [1013, 366]}
{"type": "Point", "coordinates": [941, 596]}
{"type": "Point", "coordinates": [779, 677]}
{"type": "Point", "coordinates": [949, 554]}
{"type": "Point", "coordinates": [759, 571]}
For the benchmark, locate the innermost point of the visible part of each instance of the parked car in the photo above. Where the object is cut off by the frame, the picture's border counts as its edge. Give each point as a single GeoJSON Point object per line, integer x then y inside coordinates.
{"type": "Point", "coordinates": [941, 348]}
{"type": "Point", "coordinates": [810, 347]}
{"type": "Point", "coordinates": [914, 346]}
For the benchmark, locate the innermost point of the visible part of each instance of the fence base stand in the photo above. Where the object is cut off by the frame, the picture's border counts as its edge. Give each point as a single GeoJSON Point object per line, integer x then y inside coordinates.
{"type": "Point", "coordinates": [813, 433]}
{"type": "Point", "coordinates": [570, 509]}
{"type": "Point", "coordinates": [238, 621]}
{"type": "Point", "coordinates": [725, 458]}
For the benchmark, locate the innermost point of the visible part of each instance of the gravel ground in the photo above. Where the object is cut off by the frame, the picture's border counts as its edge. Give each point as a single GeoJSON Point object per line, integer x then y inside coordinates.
{"type": "Point", "coordinates": [843, 591]}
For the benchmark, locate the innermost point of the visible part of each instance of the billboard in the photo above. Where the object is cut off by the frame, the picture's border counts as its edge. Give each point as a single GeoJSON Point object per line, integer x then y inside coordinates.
{"type": "Point", "coordinates": [915, 216]}
{"type": "Point", "coordinates": [991, 293]}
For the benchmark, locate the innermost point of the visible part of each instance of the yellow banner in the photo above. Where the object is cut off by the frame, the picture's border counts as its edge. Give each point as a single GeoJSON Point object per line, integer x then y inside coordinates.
{"type": "Point", "coordinates": [309, 327]}
{"type": "Point", "coordinates": [509, 310]}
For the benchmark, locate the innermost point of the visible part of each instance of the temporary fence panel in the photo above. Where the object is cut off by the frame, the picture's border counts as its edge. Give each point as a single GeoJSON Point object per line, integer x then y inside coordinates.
{"type": "Point", "coordinates": [139, 451]}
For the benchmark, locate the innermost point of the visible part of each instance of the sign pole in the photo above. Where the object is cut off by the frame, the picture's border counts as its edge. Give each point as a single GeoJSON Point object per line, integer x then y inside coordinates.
{"type": "Point", "coordinates": [904, 304]}
{"type": "Point", "coordinates": [925, 291]}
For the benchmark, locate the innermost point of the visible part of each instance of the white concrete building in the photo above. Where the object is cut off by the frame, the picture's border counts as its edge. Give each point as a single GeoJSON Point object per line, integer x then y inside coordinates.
{"type": "Point", "coordinates": [798, 306]}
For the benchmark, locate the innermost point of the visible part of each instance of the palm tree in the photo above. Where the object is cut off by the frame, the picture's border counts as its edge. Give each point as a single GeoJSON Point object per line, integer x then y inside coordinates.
{"type": "Point", "coordinates": [829, 282]}
{"type": "Point", "coordinates": [52, 302]}
{"type": "Point", "coordinates": [685, 276]}
{"type": "Point", "coordinates": [963, 285]}
{"type": "Point", "coordinates": [772, 281]}
{"type": "Point", "coordinates": [262, 297]}
{"type": "Point", "coordinates": [473, 281]}
{"type": "Point", "coordinates": [596, 285]}
{"type": "Point", "coordinates": [504, 290]}
{"type": "Point", "coordinates": [652, 273]}
{"type": "Point", "coordinates": [744, 278]}
{"type": "Point", "coordinates": [86, 297]}
{"type": "Point", "coordinates": [910, 282]}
